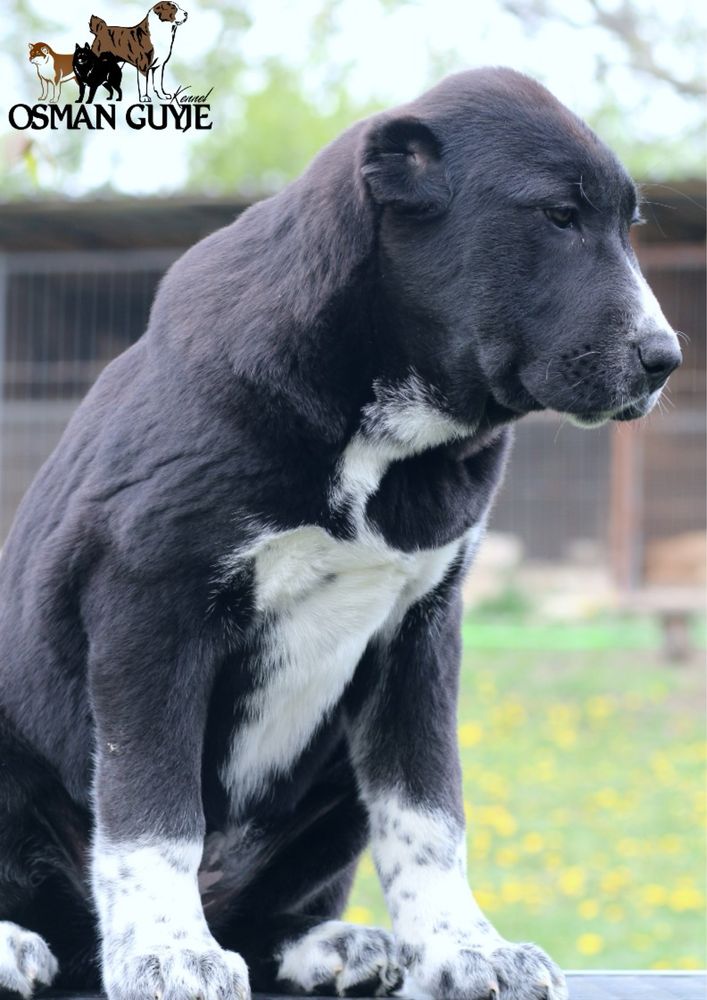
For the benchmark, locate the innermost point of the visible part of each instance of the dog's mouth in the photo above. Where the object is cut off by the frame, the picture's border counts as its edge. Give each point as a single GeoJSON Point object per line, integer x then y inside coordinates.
{"type": "Point", "coordinates": [634, 409]}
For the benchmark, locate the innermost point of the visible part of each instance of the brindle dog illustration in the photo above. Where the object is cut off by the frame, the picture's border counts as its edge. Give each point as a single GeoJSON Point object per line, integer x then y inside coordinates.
{"type": "Point", "coordinates": [147, 46]}
{"type": "Point", "coordinates": [53, 69]}
{"type": "Point", "coordinates": [93, 71]}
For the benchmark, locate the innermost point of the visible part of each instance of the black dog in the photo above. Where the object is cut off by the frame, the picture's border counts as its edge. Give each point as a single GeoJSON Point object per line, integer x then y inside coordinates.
{"type": "Point", "coordinates": [92, 71]}
{"type": "Point", "coordinates": [230, 602]}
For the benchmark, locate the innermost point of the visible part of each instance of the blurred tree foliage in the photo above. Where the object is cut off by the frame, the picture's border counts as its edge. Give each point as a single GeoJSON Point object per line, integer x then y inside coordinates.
{"type": "Point", "coordinates": [663, 45]}
{"type": "Point", "coordinates": [271, 130]}
{"type": "Point", "coordinates": [274, 113]}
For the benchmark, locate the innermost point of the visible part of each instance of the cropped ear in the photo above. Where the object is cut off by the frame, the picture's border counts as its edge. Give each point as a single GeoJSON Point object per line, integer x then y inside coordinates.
{"type": "Point", "coordinates": [403, 166]}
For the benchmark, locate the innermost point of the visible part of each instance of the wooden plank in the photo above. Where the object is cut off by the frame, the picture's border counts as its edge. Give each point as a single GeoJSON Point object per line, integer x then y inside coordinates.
{"type": "Point", "coordinates": [582, 986]}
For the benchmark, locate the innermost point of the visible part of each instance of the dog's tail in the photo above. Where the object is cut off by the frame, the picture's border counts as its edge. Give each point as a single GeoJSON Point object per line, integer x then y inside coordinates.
{"type": "Point", "coordinates": [96, 24]}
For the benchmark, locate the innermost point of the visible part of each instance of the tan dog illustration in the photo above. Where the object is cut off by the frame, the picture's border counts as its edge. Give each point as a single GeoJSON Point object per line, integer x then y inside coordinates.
{"type": "Point", "coordinates": [147, 46]}
{"type": "Point", "coordinates": [53, 69]}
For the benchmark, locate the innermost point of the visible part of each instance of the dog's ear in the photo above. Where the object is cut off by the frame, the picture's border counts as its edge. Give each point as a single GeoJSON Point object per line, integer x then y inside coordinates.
{"type": "Point", "coordinates": [76, 47]}
{"type": "Point", "coordinates": [403, 166]}
{"type": "Point", "coordinates": [31, 45]}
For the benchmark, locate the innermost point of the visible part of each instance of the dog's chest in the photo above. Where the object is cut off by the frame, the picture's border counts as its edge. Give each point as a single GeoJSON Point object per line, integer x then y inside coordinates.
{"type": "Point", "coordinates": [319, 601]}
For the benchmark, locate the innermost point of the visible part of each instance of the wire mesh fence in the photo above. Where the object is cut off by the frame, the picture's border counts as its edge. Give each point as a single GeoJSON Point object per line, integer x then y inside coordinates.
{"type": "Point", "coordinates": [65, 314]}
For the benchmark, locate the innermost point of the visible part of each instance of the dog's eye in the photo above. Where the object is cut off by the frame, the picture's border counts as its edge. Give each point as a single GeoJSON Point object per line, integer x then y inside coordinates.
{"type": "Point", "coordinates": [563, 218]}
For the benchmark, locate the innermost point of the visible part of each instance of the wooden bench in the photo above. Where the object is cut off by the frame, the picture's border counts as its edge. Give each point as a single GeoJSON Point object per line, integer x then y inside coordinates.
{"type": "Point", "coordinates": [582, 986]}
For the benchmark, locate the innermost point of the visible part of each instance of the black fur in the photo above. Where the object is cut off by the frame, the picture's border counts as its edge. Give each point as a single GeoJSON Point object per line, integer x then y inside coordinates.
{"type": "Point", "coordinates": [420, 240]}
{"type": "Point", "coordinates": [93, 71]}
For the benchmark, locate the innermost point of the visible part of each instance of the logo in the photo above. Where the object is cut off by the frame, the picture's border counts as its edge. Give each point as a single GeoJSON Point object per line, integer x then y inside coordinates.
{"type": "Point", "coordinates": [102, 68]}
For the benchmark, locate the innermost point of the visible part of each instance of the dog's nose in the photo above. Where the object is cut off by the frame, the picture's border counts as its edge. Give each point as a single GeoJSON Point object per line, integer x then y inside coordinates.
{"type": "Point", "coordinates": [660, 355]}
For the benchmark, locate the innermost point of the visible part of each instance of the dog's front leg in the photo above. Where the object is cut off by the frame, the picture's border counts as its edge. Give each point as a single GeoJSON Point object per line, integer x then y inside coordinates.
{"type": "Point", "coordinates": [159, 87]}
{"type": "Point", "coordinates": [402, 726]}
{"type": "Point", "coordinates": [149, 688]}
{"type": "Point", "coordinates": [143, 85]}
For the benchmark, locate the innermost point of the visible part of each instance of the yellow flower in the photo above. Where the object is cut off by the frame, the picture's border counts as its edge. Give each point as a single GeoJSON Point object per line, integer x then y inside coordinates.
{"type": "Point", "coordinates": [494, 784]}
{"type": "Point", "coordinates": [686, 897]}
{"type": "Point", "coordinates": [689, 962]}
{"type": "Point", "coordinates": [670, 844]}
{"type": "Point", "coordinates": [600, 707]}
{"type": "Point", "coordinates": [588, 908]}
{"type": "Point", "coordinates": [553, 860]}
{"type": "Point", "coordinates": [359, 915]}
{"type": "Point", "coordinates": [614, 881]}
{"type": "Point", "coordinates": [512, 892]}
{"type": "Point", "coordinates": [564, 737]}
{"type": "Point", "coordinates": [487, 899]}
{"type": "Point", "coordinates": [571, 881]}
{"type": "Point", "coordinates": [498, 818]}
{"type": "Point", "coordinates": [533, 843]}
{"type": "Point", "coordinates": [480, 842]}
{"type": "Point", "coordinates": [629, 847]}
{"type": "Point", "coordinates": [614, 913]}
{"type": "Point", "coordinates": [590, 944]}
{"type": "Point", "coordinates": [607, 798]}
{"type": "Point", "coordinates": [470, 734]}
{"type": "Point", "coordinates": [487, 689]}
{"type": "Point", "coordinates": [506, 857]}
{"type": "Point", "coordinates": [543, 769]}
{"type": "Point", "coordinates": [654, 895]}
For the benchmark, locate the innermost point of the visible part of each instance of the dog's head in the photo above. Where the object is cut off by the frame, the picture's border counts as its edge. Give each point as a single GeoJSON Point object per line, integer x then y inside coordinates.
{"type": "Point", "coordinates": [38, 52]}
{"type": "Point", "coordinates": [171, 12]}
{"type": "Point", "coordinates": [504, 242]}
{"type": "Point", "coordinates": [82, 54]}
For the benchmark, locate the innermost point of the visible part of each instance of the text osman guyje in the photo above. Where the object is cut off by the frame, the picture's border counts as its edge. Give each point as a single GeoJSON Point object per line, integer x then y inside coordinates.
{"type": "Point", "coordinates": [190, 112]}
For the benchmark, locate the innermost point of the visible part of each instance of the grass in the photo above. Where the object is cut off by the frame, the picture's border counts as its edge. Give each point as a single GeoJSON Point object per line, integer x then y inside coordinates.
{"type": "Point", "coordinates": [584, 785]}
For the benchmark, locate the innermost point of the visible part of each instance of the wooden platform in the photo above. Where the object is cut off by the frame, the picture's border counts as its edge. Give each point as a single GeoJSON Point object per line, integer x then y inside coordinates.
{"type": "Point", "coordinates": [583, 986]}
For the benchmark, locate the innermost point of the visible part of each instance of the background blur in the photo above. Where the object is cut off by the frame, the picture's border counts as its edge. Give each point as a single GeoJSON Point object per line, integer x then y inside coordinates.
{"type": "Point", "coordinates": [582, 713]}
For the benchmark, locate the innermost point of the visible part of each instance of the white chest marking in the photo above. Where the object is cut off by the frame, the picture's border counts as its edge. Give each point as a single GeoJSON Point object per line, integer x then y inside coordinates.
{"type": "Point", "coordinates": [321, 600]}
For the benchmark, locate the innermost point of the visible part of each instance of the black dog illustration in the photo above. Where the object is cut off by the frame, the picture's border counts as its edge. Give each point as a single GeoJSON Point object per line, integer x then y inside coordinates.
{"type": "Point", "coordinates": [92, 70]}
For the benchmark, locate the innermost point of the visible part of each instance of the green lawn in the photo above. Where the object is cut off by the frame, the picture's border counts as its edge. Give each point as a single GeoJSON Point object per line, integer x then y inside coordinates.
{"type": "Point", "coordinates": [584, 782]}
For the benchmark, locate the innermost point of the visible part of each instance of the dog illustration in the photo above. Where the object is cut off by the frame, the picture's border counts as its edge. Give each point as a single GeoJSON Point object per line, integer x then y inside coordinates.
{"type": "Point", "coordinates": [147, 46]}
{"type": "Point", "coordinates": [53, 69]}
{"type": "Point", "coordinates": [92, 71]}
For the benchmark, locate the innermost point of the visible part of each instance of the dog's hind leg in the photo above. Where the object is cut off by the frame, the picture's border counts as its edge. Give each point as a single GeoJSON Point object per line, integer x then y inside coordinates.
{"type": "Point", "coordinates": [46, 927]}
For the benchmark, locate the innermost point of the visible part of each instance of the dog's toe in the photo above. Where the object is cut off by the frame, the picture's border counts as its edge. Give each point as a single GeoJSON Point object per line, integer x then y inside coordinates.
{"type": "Point", "coordinates": [26, 961]}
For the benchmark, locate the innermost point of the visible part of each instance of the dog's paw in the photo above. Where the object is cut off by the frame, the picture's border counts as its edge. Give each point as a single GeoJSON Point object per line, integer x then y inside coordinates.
{"type": "Point", "coordinates": [525, 972]}
{"type": "Point", "coordinates": [464, 974]}
{"type": "Point", "coordinates": [169, 972]}
{"type": "Point", "coordinates": [344, 960]}
{"type": "Point", "coordinates": [146, 99]}
{"type": "Point", "coordinates": [25, 961]}
{"type": "Point", "coordinates": [501, 972]}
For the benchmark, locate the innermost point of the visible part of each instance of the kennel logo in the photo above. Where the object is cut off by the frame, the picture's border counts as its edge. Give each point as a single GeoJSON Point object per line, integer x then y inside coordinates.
{"type": "Point", "coordinates": [101, 68]}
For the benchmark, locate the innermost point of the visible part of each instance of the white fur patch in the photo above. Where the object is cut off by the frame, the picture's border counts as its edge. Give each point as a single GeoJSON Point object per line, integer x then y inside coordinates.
{"type": "Point", "coordinates": [403, 420]}
{"type": "Point", "coordinates": [420, 855]}
{"type": "Point", "coordinates": [324, 600]}
{"type": "Point", "coordinates": [648, 305]}
{"type": "Point", "coordinates": [25, 960]}
{"type": "Point", "coordinates": [342, 956]}
{"type": "Point", "coordinates": [321, 599]}
{"type": "Point", "coordinates": [154, 934]}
